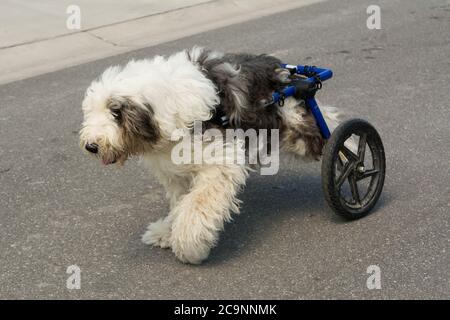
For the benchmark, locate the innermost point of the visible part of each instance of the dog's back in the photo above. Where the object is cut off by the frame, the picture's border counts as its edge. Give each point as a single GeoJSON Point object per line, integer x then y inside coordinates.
{"type": "Point", "coordinates": [244, 82]}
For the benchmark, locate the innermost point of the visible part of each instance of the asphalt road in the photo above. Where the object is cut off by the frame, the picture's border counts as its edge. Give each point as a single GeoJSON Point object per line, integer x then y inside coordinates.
{"type": "Point", "coordinates": [59, 208]}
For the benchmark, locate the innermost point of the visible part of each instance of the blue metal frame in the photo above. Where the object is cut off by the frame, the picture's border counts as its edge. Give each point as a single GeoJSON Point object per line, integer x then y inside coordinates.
{"type": "Point", "coordinates": [319, 75]}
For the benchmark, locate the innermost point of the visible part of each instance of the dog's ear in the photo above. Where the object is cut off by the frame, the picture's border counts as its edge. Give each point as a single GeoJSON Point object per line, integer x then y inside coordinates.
{"type": "Point", "coordinates": [136, 118]}
{"type": "Point", "coordinates": [115, 106]}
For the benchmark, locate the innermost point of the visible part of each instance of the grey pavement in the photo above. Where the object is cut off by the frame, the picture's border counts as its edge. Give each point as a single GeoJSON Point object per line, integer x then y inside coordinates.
{"type": "Point", "coordinates": [59, 208]}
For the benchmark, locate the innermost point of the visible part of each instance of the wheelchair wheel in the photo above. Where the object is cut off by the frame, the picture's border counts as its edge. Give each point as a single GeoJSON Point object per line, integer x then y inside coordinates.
{"type": "Point", "coordinates": [352, 174]}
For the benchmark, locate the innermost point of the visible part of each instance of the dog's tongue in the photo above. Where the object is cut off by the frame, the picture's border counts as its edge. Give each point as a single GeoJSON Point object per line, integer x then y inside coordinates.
{"type": "Point", "coordinates": [106, 162]}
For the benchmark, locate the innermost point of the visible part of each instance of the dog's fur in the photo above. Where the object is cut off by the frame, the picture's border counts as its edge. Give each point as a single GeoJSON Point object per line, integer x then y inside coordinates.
{"type": "Point", "coordinates": [133, 111]}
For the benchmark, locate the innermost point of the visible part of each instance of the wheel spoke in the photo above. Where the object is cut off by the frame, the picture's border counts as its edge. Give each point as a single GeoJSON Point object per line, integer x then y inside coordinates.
{"type": "Point", "coordinates": [354, 189]}
{"type": "Point", "coordinates": [340, 163]}
{"type": "Point", "coordinates": [362, 146]}
{"type": "Point", "coordinates": [368, 173]}
{"type": "Point", "coordinates": [349, 154]}
{"type": "Point", "coordinates": [345, 173]}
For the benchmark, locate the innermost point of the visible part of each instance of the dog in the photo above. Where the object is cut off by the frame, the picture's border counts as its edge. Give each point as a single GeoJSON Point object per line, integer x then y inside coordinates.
{"type": "Point", "coordinates": [136, 109]}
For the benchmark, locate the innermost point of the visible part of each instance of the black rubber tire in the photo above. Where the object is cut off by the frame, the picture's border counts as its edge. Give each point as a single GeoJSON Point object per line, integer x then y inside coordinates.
{"type": "Point", "coordinates": [330, 157]}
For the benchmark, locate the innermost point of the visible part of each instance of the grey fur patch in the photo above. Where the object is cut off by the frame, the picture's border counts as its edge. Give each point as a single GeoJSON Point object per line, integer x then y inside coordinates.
{"type": "Point", "coordinates": [139, 128]}
{"type": "Point", "coordinates": [243, 81]}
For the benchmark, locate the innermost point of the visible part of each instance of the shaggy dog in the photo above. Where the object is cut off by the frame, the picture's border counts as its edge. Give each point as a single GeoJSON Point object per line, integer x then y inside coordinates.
{"type": "Point", "coordinates": [134, 111]}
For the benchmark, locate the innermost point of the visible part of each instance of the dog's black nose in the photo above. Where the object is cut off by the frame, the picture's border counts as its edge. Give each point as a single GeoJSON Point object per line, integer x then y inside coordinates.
{"type": "Point", "coordinates": [92, 147]}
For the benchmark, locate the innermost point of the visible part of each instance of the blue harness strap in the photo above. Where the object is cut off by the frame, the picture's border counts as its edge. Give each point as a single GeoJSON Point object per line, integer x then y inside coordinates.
{"type": "Point", "coordinates": [306, 89]}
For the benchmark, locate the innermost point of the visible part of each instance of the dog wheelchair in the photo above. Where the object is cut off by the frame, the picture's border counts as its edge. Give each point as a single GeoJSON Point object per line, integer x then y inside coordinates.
{"type": "Point", "coordinates": [352, 180]}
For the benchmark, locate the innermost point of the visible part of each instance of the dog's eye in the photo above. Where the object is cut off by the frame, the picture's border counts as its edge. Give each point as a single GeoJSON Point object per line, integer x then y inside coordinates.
{"type": "Point", "coordinates": [116, 113]}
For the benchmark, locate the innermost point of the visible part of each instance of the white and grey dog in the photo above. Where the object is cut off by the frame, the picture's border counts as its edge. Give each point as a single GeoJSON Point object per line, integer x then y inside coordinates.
{"type": "Point", "coordinates": [134, 111]}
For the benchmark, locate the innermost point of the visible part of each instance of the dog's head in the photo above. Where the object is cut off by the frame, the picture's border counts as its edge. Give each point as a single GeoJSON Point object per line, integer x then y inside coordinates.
{"type": "Point", "coordinates": [134, 110]}
{"type": "Point", "coordinates": [116, 124]}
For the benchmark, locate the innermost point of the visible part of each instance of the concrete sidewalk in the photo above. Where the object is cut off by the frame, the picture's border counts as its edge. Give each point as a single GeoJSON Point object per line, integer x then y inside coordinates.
{"type": "Point", "coordinates": [26, 21]}
{"type": "Point", "coordinates": [34, 38]}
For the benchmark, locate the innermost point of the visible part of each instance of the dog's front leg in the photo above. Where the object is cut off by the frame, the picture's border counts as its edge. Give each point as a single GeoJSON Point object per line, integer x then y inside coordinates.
{"type": "Point", "coordinates": [201, 213]}
{"type": "Point", "coordinates": [158, 233]}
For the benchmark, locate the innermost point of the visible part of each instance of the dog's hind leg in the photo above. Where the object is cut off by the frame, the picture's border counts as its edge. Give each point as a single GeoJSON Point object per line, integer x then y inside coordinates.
{"type": "Point", "coordinates": [201, 213]}
{"type": "Point", "coordinates": [300, 134]}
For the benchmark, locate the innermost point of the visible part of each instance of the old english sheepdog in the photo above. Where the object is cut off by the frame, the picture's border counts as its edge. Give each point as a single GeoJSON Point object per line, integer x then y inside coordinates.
{"type": "Point", "coordinates": [136, 109]}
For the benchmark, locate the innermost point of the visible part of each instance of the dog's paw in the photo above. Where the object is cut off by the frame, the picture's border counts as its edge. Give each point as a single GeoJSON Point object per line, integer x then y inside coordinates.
{"type": "Point", "coordinates": [158, 234]}
{"type": "Point", "coordinates": [283, 75]}
{"type": "Point", "coordinates": [192, 257]}
{"type": "Point", "coordinates": [190, 252]}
